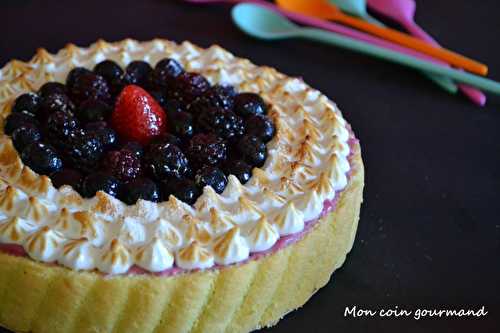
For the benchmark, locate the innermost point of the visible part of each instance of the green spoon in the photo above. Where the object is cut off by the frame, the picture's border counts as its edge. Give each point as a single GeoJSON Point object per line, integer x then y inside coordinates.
{"type": "Point", "coordinates": [260, 22]}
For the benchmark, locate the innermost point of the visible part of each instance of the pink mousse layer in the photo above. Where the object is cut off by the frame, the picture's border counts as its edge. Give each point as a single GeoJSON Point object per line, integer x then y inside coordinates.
{"type": "Point", "coordinates": [284, 241]}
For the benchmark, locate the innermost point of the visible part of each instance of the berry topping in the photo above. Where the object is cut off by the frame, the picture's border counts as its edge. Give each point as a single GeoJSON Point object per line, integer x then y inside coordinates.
{"type": "Point", "coordinates": [183, 189]}
{"type": "Point", "coordinates": [109, 70]}
{"type": "Point", "coordinates": [220, 96]}
{"type": "Point", "coordinates": [90, 85]}
{"type": "Point", "coordinates": [224, 123]}
{"type": "Point", "coordinates": [138, 72]}
{"type": "Point", "coordinates": [137, 116]}
{"type": "Point", "coordinates": [167, 138]}
{"type": "Point", "coordinates": [238, 168]}
{"type": "Point", "coordinates": [190, 85]}
{"type": "Point", "coordinates": [29, 102]}
{"type": "Point", "coordinates": [123, 164]}
{"type": "Point", "coordinates": [51, 88]}
{"type": "Point", "coordinates": [69, 177]}
{"type": "Point", "coordinates": [134, 147]}
{"type": "Point", "coordinates": [41, 158]}
{"type": "Point", "coordinates": [211, 176]}
{"type": "Point", "coordinates": [74, 75]}
{"type": "Point", "coordinates": [83, 151]}
{"type": "Point", "coordinates": [25, 135]}
{"type": "Point", "coordinates": [166, 160]}
{"type": "Point", "coordinates": [260, 126]}
{"type": "Point", "coordinates": [106, 136]}
{"type": "Point", "coordinates": [160, 97]}
{"type": "Point", "coordinates": [206, 149]}
{"type": "Point", "coordinates": [182, 124]}
{"type": "Point", "coordinates": [165, 71]}
{"type": "Point", "coordinates": [18, 119]}
{"type": "Point", "coordinates": [253, 150]}
{"type": "Point", "coordinates": [59, 126]}
{"type": "Point", "coordinates": [56, 102]}
{"type": "Point", "coordinates": [247, 104]}
{"type": "Point", "coordinates": [100, 181]}
{"type": "Point", "coordinates": [140, 188]}
{"type": "Point", "coordinates": [93, 110]}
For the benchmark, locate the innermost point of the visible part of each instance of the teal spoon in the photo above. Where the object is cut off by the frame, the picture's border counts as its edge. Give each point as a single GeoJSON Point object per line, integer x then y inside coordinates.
{"type": "Point", "coordinates": [358, 8]}
{"type": "Point", "coordinates": [260, 22]}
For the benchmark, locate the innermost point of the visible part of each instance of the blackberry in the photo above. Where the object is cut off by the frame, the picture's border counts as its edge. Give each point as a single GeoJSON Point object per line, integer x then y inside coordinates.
{"type": "Point", "coordinates": [74, 75]}
{"type": "Point", "coordinates": [88, 86]}
{"type": "Point", "coordinates": [260, 126]}
{"type": "Point", "coordinates": [56, 102]}
{"type": "Point", "coordinates": [140, 188]}
{"type": "Point", "coordinates": [166, 70]}
{"type": "Point", "coordinates": [83, 151]}
{"type": "Point", "coordinates": [211, 176]}
{"type": "Point", "coordinates": [220, 96]}
{"type": "Point", "coordinates": [59, 125]}
{"type": "Point", "coordinates": [182, 125]}
{"type": "Point", "coordinates": [206, 149]}
{"type": "Point", "coordinates": [29, 102]}
{"type": "Point", "coordinates": [69, 177]}
{"type": "Point", "coordinates": [106, 135]}
{"type": "Point", "coordinates": [93, 110]}
{"type": "Point", "coordinates": [252, 150]}
{"type": "Point", "coordinates": [100, 181]}
{"type": "Point", "coordinates": [123, 164]}
{"type": "Point", "coordinates": [183, 189]}
{"type": "Point", "coordinates": [238, 168]}
{"type": "Point", "coordinates": [134, 147]}
{"type": "Point", "coordinates": [224, 123]}
{"type": "Point", "coordinates": [41, 158]}
{"type": "Point", "coordinates": [165, 160]}
{"type": "Point", "coordinates": [160, 97]}
{"type": "Point", "coordinates": [51, 88]}
{"type": "Point", "coordinates": [190, 85]}
{"type": "Point", "coordinates": [24, 136]}
{"type": "Point", "coordinates": [167, 138]}
{"type": "Point", "coordinates": [138, 72]}
{"type": "Point", "coordinates": [246, 104]}
{"type": "Point", "coordinates": [18, 119]}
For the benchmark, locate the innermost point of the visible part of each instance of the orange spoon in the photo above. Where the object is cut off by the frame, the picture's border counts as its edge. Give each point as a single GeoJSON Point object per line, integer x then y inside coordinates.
{"type": "Point", "coordinates": [324, 10]}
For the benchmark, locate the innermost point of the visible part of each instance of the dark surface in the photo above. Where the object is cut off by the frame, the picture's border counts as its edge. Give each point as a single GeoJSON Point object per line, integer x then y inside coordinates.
{"type": "Point", "coordinates": [429, 235]}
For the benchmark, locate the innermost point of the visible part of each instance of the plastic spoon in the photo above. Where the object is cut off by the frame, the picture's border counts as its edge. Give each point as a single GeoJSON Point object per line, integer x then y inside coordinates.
{"type": "Point", "coordinates": [260, 22]}
{"type": "Point", "coordinates": [403, 12]}
{"type": "Point", "coordinates": [324, 10]}
{"type": "Point", "coordinates": [358, 8]}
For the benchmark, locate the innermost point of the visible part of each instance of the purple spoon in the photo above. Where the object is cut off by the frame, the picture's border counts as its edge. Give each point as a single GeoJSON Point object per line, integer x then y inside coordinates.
{"type": "Point", "coordinates": [403, 12]}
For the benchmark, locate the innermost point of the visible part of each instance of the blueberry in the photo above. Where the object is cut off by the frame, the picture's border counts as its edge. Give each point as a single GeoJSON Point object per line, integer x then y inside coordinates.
{"type": "Point", "coordinates": [252, 150]}
{"type": "Point", "coordinates": [260, 126]}
{"type": "Point", "coordinates": [18, 119]}
{"type": "Point", "coordinates": [165, 160]}
{"type": "Point", "coordinates": [93, 110]}
{"type": "Point", "coordinates": [25, 135]}
{"type": "Point", "coordinates": [51, 88]}
{"type": "Point", "coordinates": [160, 97]}
{"type": "Point", "coordinates": [138, 72]}
{"type": "Point", "coordinates": [59, 125]}
{"type": "Point", "coordinates": [206, 149]}
{"type": "Point", "coordinates": [247, 104]}
{"type": "Point", "coordinates": [211, 176]}
{"type": "Point", "coordinates": [100, 181]}
{"type": "Point", "coordinates": [134, 147]}
{"type": "Point", "coordinates": [224, 123]}
{"type": "Point", "coordinates": [238, 168]}
{"type": "Point", "coordinates": [166, 138]}
{"type": "Point", "coordinates": [173, 106]}
{"type": "Point", "coordinates": [182, 125]}
{"type": "Point", "coordinates": [42, 158]}
{"type": "Point", "coordinates": [56, 102]}
{"type": "Point", "coordinates": [140, 188]}
{"type": "Point", "coordinates": [88, 86]}
{"type": "Point", "coordinates": [74, 75]}
{"type": "Point", "coordinates": [29, 102]}
{"type": "Point", "coordinates": [190, 85]}
{"type": "Point", "coordinates": [106, 135]}
{"type": "Point", "coordinates": [165, 71]}
{"type": "Point", "coordinates": [69, 177]}
{"type": "Point", "coordinates": [183, 189]}
{"type": "Point", "coordinates": [109, 70]}
{"type": "Point", "coordinates": [123, 164]}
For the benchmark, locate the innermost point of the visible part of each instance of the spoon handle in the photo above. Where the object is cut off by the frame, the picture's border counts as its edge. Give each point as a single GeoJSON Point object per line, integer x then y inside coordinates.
{"type": "Point", "coordinates": [475, 95]}
{"type": "Point", "coordinates": [391, 56]}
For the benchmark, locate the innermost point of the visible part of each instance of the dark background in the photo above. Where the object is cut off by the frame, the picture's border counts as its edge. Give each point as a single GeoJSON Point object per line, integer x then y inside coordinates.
{"type": "Point", "coordinates": [429, 235]}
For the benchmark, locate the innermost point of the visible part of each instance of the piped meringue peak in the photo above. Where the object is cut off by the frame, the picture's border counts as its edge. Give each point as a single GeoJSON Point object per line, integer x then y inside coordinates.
{"type": "Point", "coordinates": [307, 164]}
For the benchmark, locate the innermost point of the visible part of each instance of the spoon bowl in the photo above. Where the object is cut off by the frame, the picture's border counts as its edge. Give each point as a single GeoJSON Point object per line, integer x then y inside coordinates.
{"type": "Point", "coordinates": [263, 23]}
{"type": "Point", "coordinates": [397, 10]}
{"type": "Point", "coordinates": [356, 8]}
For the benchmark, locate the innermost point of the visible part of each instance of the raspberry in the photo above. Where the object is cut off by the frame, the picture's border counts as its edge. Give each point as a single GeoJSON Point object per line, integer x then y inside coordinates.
{"type": "Point", "coordinates": [123, 164]}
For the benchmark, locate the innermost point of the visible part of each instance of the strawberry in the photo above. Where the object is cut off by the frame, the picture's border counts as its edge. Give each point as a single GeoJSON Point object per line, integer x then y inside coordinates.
{"type": "Point", "coordinates": [137, 116]}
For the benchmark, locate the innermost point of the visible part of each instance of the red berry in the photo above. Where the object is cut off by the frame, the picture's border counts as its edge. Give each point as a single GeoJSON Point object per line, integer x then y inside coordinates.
{"type": "Point", "coordinates": [137, 116]}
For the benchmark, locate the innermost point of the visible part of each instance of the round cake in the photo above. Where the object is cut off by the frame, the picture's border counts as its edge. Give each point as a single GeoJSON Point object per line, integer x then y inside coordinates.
{"type": "Point", "coordinates": [162, 187]}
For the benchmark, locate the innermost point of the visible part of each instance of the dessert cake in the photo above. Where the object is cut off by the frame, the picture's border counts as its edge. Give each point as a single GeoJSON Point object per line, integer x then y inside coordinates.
{"type": "Point", "coordinates": [162, 187]}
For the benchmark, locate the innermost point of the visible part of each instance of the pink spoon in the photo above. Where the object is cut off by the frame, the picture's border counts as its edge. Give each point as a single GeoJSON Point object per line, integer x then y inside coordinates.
{"type": "Point", "coordinates": [322, 24]}
{"type": "Point", "coordinates": [403, 12]}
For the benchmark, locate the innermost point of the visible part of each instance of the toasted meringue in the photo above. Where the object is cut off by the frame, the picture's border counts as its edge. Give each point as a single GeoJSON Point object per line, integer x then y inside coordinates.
{"type": "Point", "coordinates": [262, 236]}
{"type": "Point", "coordinates": [154, 256]}
{"type": "Point", "coordinates": [194, 256]}
{"type": "Point", "coordinates": [230, 247]}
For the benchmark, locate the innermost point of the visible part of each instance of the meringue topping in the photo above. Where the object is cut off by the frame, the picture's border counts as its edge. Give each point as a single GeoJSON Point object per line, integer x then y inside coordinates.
{"type": "Point", "coordinates": [154, 256]}
{"type": "Point", "coordinates": [15, 230]}
{"type": "Point", "coordinates": [78, 254]}
{"type": "Point", "coordinates": [116, 259]}
{"type": "Point", "coordinates": [289, 221]}
{"type": "Point", "coordinates": [262, 236]}
{"type": "Point", "coordinates": [44, 245]}
{"type": "Point", "coordinates": [194, 256]}
{"type": "Point", "coordinates": [168, 234]}
{"type": "Point", "coordinates": [230, 247]}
